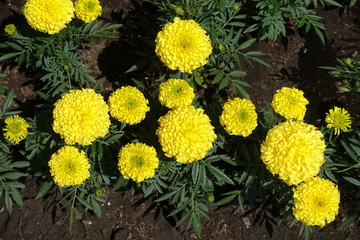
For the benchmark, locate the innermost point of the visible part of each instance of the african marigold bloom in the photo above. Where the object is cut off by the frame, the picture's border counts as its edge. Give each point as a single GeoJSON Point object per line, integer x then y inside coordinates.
{"type": "Point", "coordinates": [294, 151]}
{"type": "Point", "coordinates": [15, 129]}
{"type": "Point", "coordinates": [81, 116]}
{"type": "Point", "coordinates": [186, 134]}
{"type": "Point", "coordinates": [175, 93]}
{"type": "Point", "coordinates": [338, 119]}
{"type": "Point", "coordinates": [239, 117]}
{"type": "Point", "coordinates": [183, 45]}
{"type": "Point", "coordinates": [290, 103]}
{"type": "Point", "coordinates": [10, 29]}
{"type": "Point", "coordinates": [69, 166]}
{"type": "Point", "coordinates": [128, 105]}
{"type": "Point", "coordinates": [88, 10]}
{"type": "Point", "coordinates": [137, 161]}
{"type": "Point", "coordinates": [48, 16]}
{"type": "Point", "coordinates": [316, 202]}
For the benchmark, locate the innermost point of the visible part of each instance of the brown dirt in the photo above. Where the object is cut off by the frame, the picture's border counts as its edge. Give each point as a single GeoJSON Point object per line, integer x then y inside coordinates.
{"type": "Point", "coordinates": [294, 62]}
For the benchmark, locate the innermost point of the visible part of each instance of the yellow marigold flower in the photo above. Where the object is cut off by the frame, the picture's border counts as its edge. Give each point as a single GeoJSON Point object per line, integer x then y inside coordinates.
{"type": "Point", "coordinates": [290, 103]}
{"type": "Point", "coordinates": [10, 29]}
{"type": "Point", "coordinates": [69, 166]}
{"type": "Point", "coordinates": [294, 151]}
{"type": "Point", "coordinates": [183, 45]}
{"type": "Point", "coordinates": [186, 134]}
{"type": "Point", "coordinates": [48, 16]}
{"type": "Point", "coordinates": [316, 202]}
{"type": "Point", "coordinates": [239, 117]}
{"type": "Point", "coordinates": [128, 105]}
{"type": "Point", "coordinates": [81, 116]}
{"type": "Point", "coordinates": [338, 119]}
{"type": "Point", "coordinates": [175, 93]}
{"type": "Point", "coordinates": [88, 10]}
{"type": "Point", "coordinates": [138, 161]}
{"type": "Point", "coordinates": [15, 129]}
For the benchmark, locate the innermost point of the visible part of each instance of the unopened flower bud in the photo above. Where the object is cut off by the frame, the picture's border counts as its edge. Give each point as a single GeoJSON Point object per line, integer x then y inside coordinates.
{"type": "Point", "coordinates": [178, 9]}
{"type": "Point", "coordinates": [348, 61]}
{"type": "Point", "coordinates": [235, 7]}
{"type": "Point", "coordinates": [98, 192]}
{"type": "Point", "coordinates": [210, 197]}
{"type": "Point", "coordinates": [10, 29]}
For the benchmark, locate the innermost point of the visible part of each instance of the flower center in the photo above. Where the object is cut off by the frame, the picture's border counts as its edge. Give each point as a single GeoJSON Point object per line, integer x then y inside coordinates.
{"type": "Point", "coordinates": [90, 5]}
{"type": "Point", "coordinates": [14, 128]}
{"type": "Point", "coordinates": [177, 89]}
{"type": "Point", "coordinates": [138, 161]}
{"type": "Point", "coordinates": [131, 104]}
{"type": "Point", "coordinates": [70, 166]}
{"type": "Point", "coordinates": [242, 116]}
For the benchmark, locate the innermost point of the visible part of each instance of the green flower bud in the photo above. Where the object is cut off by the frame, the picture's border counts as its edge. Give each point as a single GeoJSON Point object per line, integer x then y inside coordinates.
{"type": "Point", "coordinates": [10, 29]}
{"type": "Point", "coordinates": [98, 192]}
{"type": "Point", "coordinates": [221, 47]}
{"type": "Point", "coordinates": [348, 61]}
{"type": "Point", "coordinates": [235, 7]}
{"type": "Point", "coordinates": [210, 197]}
{"type": "Point", "coordinates": [178, 9]}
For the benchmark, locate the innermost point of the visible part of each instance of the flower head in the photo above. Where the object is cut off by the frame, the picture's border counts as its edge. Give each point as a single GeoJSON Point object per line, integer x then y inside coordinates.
{"type": "Point", "coordinates": [175, 93]}
{"type": "Point", "coordinates": [239, 117]}
{"type": "Point", "coordinates": [316, 202]}
{"type": "Point", "coordinates": [10, 29]}
{"type": "Point", "coordinates": [294, 151]}
{"type": "Point", "coordinates": [128, 105]}
{"type": "Point", "coordinates": [183, 45]}
{"type": "Point", "coordinates": [87, 10]}
{"type": "Point", "coordinates": [290, 103]}
{"type": "Point", "coordinates": [81, 116]}
{"type": "Point", "coordinates": [338, 119]}
{"type": "Point", "coordinates": [186, 134]}
{"type": "Point", "coordinates": [15, 129]}
{"type": "Point", "coordinates": [48, 16]}
{"type": "Point", "coordinates": [69, 166]}
{"type": "Point", "coordinates": [138, 161]}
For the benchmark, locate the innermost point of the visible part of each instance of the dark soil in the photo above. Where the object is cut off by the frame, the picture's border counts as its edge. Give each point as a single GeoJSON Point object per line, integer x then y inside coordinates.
{"type": "Point", "coordinates": [295, 61]}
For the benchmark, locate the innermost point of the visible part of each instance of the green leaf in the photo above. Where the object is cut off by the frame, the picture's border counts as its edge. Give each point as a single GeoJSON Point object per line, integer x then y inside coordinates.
{"type": "Point", "coordinates": [96, 207]}
{"type": "Point", "coordinates": [247, 44]}
{"type": "Point", "coordinates": [85, 203]}
{"type": "Point", "coordinates": [9, 56]}
{"type": "Point", "coordinates": [352, 180]}
{"type": "Point", "coordinates": [44, 189]}
{"type": "Point", "coordinates": [195, 172]}
{"type": "Point", "coordinates": [348, 221]}
{"type": "Point", "coordinates": [19, 164]}
{"type": "Point", "coordinates": [226, 200]}
{"type": "Point", "coordinates": [220, 175]}
{"type": "Point", "coordinates": [237, 73]}
{"type": "Point", "coordinates": [8, 203]}
{"type": "Point", "coordinates": [166, 196]}
{"type": "Point", "coordinates": [350, 151]}
{"type": "Point", "coordinates": [12, 175]}
{"type": "Point", "coordinates": [15, 194]}
{"type": "Point", "coordinates": [196, 223]}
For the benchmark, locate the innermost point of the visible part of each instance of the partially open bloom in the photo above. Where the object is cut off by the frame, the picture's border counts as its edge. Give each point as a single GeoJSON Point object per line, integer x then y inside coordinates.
{"type": "Point", "coordinates": [81, 116]}
{"type": "Point", "coordinates": [186, 134]}
{"type": "Point", "coordinates": [87, 10]}
{"type": "Point", "coordinates": [183, 45]}
{"type": "Point", "coordinates": [69, 166]}
{"type": "Point", "coordinates": [175, 93]}
{"type": "Point", "coordinates": [239, 117]}
{"type": "Point", "coordinates": [290, 103]}
{"type": "Point", "coordinates": [316, 202]}
{"type": "Point", "coordinates": [138, 161]}
{"type": "Point", "coordinates": [10, 29]}
{"type": "Point", "coordinates": [338, 119]}
{"type": "Point", "coordinates": [128, 105]}
{"type": "Point", "coordinates": [15, 129]}
{"type": "Point", "coordinates": [294, 151]}
{"type": "Point", "coordinates": [48, 16]}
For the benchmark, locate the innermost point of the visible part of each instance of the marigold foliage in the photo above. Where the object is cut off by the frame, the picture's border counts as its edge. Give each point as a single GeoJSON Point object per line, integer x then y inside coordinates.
{"type": "Point", "coordinates": [128, 105]}
{"type": "Point", "coordinates": [186, 134]}
{"type": "Point", "coordinates": [316, 202]}
{"type": "Point", "coordinates": [81, 116]}
{"type": "Point", "coordinates": [338, 119]}
{"type": "Point", "coordinates": [290, 103]}
{"type": "Point", "coordinates": [137, 161]}
{"type": "Point", "coordinates": [175, 93]}
{"type": "Point", "coordinates": [10, 29]}
{"type": "Point", "coordinates": [48, 16]}
{"type": "Point", "coordinates": [15, 129]}
{"type": "Point", "coordinates": [239, 117]}
{"type": "Point", "coordinates": [69, 166]}
{"type": "Point", "coordinates": [294, 151]}
{"type": "Point", "coordinates": [183, 45]}
{"type": "Point", "coordinates": [88, 10]}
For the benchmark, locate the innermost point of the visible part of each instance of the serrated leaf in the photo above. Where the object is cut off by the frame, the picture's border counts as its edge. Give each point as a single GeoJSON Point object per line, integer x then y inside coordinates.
{"type": "Point", "coordinates": [44, 189]}
{"type": "Point", "coordinates": [220, 175]}
{"type": "Point", "coordinates": [352, 181]}
{"type": "Point", "coordinates": [96, 207]}
{"type": "Point", "coordinates": [247, 44]}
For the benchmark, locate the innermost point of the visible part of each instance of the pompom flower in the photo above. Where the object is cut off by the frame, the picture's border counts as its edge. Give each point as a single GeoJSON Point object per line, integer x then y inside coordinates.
{"type": "Point", "coordinates": [69, 166]}
{"type": "Point", "coordinates": [88, 10]}
{"type": "Point", "coordinates": [186, 134]}
{"type": "Point", "coordinates": [48, 16]}
{"type": "Point", "coordinates": [128, 105]}
{"type": "Point", "coordinates": [15, 129]}
{"type": "Point", "coordinates": [239, 117]}
{"type": "Point", "coordinates": [294, 151]}
{"type": "Point", "coordinates": [137, 161]}
{"type": "Point", "coordinates": [338, 119]}
{"type": "Point", "coordinates": [175, 93]}
{"type": "Point", "coordinates": [290, 103]}
{"type": "Point", "coordinates": [81, 116]}
{"type": "Point", "coordinates": [10, 29]}
{"type": "Point", "coordinates": [183, 45]}
{"type": "Point", "coordinates": [316, 202]}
